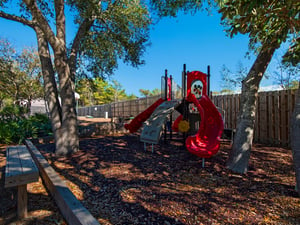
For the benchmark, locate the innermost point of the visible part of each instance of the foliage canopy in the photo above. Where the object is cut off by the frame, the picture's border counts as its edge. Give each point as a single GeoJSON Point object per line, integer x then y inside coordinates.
{"type": "Point", "coordinates": [20, 73]}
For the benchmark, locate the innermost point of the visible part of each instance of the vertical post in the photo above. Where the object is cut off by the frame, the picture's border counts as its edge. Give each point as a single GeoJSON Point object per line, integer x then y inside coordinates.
{"type": "Point", "coordinates": [22, 201]}
{"type": "Point", "coordinates": [171, 118]}
{"type": "Point", "coordinates": [166, 98]}
{"type": "Point", "coordinates": [184, 90]}
{"type": "Point", "coordinates": [171, 87]}
{"type": "Point", "coordinates": [184, 81]}
{"type": "Point", "coordinates": [208, 80]}
{"type": "Point", "coordinates": [166, 84]}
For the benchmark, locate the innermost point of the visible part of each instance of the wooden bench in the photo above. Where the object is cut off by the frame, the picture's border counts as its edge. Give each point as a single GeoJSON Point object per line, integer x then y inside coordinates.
{"type": "Point", "coordinates": [20, 170]}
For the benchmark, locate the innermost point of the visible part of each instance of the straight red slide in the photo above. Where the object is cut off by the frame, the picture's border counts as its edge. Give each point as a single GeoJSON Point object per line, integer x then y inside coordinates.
{"type": "Point", "coordinates": [138, 121]}
{"type": "Point", "coordinates": [206, 142]}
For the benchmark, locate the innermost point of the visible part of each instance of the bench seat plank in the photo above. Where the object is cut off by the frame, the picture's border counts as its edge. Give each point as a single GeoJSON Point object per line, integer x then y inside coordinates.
{"type": "Point", "coordinates": [20, 168]}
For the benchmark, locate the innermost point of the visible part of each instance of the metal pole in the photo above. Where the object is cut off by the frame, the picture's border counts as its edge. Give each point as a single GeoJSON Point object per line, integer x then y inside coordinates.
{"type": "Point", "coordinates": [208, 80]}
{"type": "Point", "coordinates": [166, 98]}
{"type": "Point", "coordinates": [166, 84]}
{"type": "Point", "coordinates": [184, 92]}
{"type": "Point", "coordinates": [171, 118]}
{"type": "Point", "coordinates": [184, 81]}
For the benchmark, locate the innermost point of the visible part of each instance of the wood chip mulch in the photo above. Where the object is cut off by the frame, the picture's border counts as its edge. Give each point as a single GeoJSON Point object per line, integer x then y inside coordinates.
{"type": "Point", "coordinates": [120, 183]}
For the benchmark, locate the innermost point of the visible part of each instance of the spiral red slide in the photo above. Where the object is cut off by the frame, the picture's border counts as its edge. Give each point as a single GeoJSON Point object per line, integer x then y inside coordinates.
{"type": "Point", "coordinates": [137, 122]}
{"type": "Point", "coordinates": [206, 142]}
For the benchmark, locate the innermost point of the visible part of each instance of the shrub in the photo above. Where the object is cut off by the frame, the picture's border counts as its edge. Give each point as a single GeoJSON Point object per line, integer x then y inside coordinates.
{"type": "Point", "coordinates": [15, 127]}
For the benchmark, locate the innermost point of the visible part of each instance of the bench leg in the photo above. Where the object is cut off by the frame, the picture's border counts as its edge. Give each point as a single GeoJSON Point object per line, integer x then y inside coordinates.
{"type": "Point", "coordinates": [22, 201]}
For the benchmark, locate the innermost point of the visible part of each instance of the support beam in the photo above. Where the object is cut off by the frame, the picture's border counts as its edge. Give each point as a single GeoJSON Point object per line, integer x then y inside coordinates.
{"type": "Point", "coordinates": [22, 201]}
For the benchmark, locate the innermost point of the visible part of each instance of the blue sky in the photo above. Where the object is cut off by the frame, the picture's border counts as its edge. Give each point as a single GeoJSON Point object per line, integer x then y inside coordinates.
{"type": "Point", "coordinates": [197, 41]}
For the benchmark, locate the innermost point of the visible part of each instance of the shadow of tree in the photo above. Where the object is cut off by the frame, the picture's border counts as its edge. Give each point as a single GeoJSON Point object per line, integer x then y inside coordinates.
{"type": "Point", "coordinates": [120, 183]}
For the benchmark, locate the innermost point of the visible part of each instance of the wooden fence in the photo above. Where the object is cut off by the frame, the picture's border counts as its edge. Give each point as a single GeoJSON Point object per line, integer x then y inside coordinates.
{"type": "Point", "coordinates": [124, 109]}
{"type": "Point", "coordinates": [273, 115]}
{"type": "Point", "coordinates": [272, 125]}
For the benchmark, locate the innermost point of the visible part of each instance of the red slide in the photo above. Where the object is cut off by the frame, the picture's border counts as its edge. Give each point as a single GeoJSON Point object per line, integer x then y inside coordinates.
{"type": "Point", "coordinates": [206, 142]}
{"type": "Point", "coordinates": [137, 122]}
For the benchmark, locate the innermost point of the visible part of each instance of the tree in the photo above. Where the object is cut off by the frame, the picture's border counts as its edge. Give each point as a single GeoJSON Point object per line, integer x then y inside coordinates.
{"type": "Point", "coordinates": [6, 63]}
{"type": "Point", "coordinates": [119, 92]}
{"type": "Point", "coordinates": [106, 32]}
{"type": "Point", "coordinates": [233, 80]}
{"type": "Point", "coordinates": [29, 67]}
{"type": "Point", "coordinates": [98, 91]}
{"type": "Point", "coordinates": [85, 88]}
{"type": "Point", "coordinates": [103, 92]}
{"type": "Point", "coordinates": [268, 23]}
{"type": "Point", "coordinates": [144, 92]}
{"type": "Point", "coordinates": [294, 84]}
{"type": "Point", "coordinates": [131, 97]}
{"type": "Point", "coordinates": [147, 93]}
{"type": "Point", "coordinates": [286, 75]}
{"type": "Point", "coordinates": [19, 74]}
{"type": "Point", "coordinates": [155, 92]}
{"type": "Point", "coordinates": [295, 140]}
{"type": "Point", "coordinates": [226, 91]}
{"type": "Point", "coordinates": [293, 58]}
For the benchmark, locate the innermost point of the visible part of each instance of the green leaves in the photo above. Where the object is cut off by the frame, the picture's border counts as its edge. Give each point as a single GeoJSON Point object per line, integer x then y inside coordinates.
{"type": "Point", "coordinates": [293, 54]}
{"type": "Point", "coordinates": [266, 22]}
{"type": "Point", "coordinates": [172, 7]}
{"type": "Point", "coordinates": [97, 91]}
{"type": "Point", "coordinates": [19, 73]}
{"type": "Point", "coordinates": [120, 32]}
{"type": "Point", "coordinates": [146, 92]}
{"type": "Point", "coordinates": [15, 127]}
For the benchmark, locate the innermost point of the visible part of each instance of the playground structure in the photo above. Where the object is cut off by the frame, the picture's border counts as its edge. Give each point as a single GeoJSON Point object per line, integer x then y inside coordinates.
{"type": "Point", "coordinates": [199, 119]}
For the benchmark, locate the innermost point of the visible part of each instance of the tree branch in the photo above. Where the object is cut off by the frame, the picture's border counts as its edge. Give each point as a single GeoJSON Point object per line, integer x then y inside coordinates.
{"type": "Point", "coordinates": [60, 19]}
{"type": "Point", "coordinates": [42, 21]}
{"type": "Point", "coordinates": [82, 30]}
{"type": "Point", "coordinates": [17, 19]}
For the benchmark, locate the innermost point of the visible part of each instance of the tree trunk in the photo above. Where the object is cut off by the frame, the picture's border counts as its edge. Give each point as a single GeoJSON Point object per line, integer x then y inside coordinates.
{"type": "Point", "coordinates": [295, 140]}
{"type": "Point", "coordinates": [50, 87]}
{"type": "Point", "coordinates": [240, 154]}
{"type": "Point", "coordinates": [67, 140]}
{"type": "Point", "coordinates": [63, 118]}
{"type": "Point", "coordinates": [69, 132]}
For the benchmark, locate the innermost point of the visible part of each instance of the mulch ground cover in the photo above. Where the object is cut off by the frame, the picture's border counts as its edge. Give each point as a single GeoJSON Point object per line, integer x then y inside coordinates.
{"type": "Point", "coordinates": [120, 183]}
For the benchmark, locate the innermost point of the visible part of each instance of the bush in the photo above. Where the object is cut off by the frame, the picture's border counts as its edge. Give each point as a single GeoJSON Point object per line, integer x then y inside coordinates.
{"type": "Point", "coordinates": [15, 127]}
{"type": "Point", "coordinates": [42, 124]}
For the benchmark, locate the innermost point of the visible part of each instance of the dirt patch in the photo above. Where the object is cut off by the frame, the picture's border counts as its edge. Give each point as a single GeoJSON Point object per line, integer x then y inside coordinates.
{"type": "Point", "coordinates": [120, 183]}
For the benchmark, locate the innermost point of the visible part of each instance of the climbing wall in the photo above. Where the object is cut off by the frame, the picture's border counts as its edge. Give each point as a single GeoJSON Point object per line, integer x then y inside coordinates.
{"type": "Point", "coordinates": [152, 128]}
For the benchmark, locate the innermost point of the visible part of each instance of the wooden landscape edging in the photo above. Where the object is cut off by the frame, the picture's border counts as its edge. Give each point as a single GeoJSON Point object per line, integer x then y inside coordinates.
{"type": "Point", "coordinates": [70, 207]}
